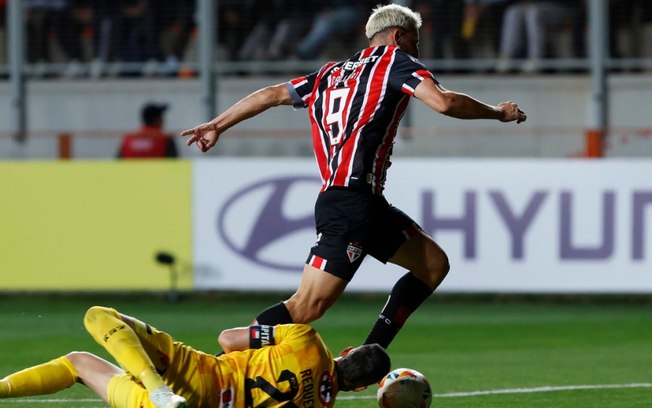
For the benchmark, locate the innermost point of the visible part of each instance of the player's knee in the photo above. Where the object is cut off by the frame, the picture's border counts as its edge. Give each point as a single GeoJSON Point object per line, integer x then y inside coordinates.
{"type": "Point", "coordinates": [307, 316]}
{"type": "Point", "coordinates": [95, 314]}
{"type": "Point", "coordinates": [436, 269]}
{"type": "Point", "coordinates": [77, 358]}
{"type": "Point", "coordinates": [318, 309]}
{"type": "Point", "coordinates": [78, 363]}
{"type": "Point", "coordinates": [307, 311]}
{"type": "Point", "coordinates": [92, 315]}
{"type": "Point", "coordinates": [310, 315]}
{"type": "Point", "coordinates": [442, 266]}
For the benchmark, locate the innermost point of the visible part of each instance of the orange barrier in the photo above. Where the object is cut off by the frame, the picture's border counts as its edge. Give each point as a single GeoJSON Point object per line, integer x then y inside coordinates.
{"type": "Point", "coordinates": [594, 143]}
{"type": "Point", "coordinates": [64, 146]}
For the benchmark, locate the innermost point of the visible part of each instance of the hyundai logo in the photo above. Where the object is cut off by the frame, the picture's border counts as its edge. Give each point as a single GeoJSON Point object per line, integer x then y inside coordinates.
{"type": "Point", "coordinates": [268, 224]}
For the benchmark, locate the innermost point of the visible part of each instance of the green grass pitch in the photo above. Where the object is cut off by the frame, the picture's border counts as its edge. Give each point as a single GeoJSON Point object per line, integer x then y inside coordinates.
{"type": "Point", "coordinates": [486, 354]}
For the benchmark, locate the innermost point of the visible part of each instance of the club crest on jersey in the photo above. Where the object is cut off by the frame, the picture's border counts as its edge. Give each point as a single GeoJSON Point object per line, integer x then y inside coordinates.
{"type": "Point", "coordinates": [326, 389]}
{"type": "Point", "coordinates": [353, 251]}
{"type": "Point", "coordinates": [226, 398]}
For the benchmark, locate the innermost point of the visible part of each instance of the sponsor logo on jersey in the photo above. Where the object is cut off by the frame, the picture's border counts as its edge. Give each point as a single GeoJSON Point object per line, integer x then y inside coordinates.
{"type": "Point", "coordinates": [351, 65]}
{"type": "Point", "coordinates": [353, 251]}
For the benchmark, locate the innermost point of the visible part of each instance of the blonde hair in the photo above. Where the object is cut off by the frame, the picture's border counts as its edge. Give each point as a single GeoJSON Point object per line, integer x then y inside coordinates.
{"type": "Point", "coordinates": [392, 15]}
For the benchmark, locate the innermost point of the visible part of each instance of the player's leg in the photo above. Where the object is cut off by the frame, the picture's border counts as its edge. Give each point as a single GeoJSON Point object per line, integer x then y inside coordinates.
{"type": "Point", "coordinates": [340, 217]}
{"type": "Point", "coordinates": [46, 378]}
{"type": "Point", "coordinates": [426, 262]}
{"type": "Point", "coordinates": [176, 362]}
{"type": "Point", "coordinates": [424, 259]}
{"type": "Point", "coordinates": [59, 374]}
{"type": "Point", "coordinates": [117, 333]}
{"type": "Point", "coordinates": [94, 372]}
{"type": "Point", "coordinates": [317, 292]}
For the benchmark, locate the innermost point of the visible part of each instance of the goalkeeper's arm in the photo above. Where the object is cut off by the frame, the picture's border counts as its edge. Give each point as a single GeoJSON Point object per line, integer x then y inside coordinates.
{"type": "Point", "coordinates": [243, 338]}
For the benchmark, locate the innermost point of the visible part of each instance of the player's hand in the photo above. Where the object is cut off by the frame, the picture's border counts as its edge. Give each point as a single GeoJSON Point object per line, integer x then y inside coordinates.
{"type": "Point", "coordinates": [204, 136]}
{"type": "Point", "coordinates": [511, 112]}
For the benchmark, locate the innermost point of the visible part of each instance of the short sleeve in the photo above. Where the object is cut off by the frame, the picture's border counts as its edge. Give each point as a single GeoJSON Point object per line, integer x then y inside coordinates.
{"type": "Point", "coordinates": [407, 73]}
{"type": "Point", "coordinates": [290, 332]}
{"type": "Point", "coordinates": [300, 89]}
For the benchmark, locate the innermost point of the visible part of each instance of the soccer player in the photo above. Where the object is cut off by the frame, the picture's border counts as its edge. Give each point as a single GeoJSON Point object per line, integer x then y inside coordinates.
{"type": "Point", "coordinates": [354, 108]}
{"type": "Point", "coordinates": [263, 366]}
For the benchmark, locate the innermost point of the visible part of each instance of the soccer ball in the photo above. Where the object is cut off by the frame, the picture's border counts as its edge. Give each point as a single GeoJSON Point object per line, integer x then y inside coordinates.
{"type": "Point", "coordinates": [404, 388]}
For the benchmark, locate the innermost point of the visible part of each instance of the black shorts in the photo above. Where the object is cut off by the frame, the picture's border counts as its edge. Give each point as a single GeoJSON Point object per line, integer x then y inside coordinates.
{"type": "Point", "coordinates": [351, 224]}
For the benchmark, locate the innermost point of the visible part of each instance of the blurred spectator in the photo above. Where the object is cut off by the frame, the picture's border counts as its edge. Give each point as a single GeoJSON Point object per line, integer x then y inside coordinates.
{"type": "Point", "coordinates": [105, 14]}
{"type": "Point", "coordinates": [532, 21]}
{"type": "Point", "coordinates": [334, 18]}
{"type": "Point", "coordinates": [176, 16]}
{"type": "Point", "coordinates": [482, 20]}
{"type": "Point", "coordinates": [234, 16]}
{"type": "Point", "coordinates": [138, 31]}
{"type": "Point", "coordinates": [3, 37]}
{"type": "Point", "coordinates": [624, 16]}
{"type": "Point", "coordinates": [444, 18]}
{"type": "Point", "coordinates": [112, 34]}
{"type": "Point", "coordinates": [278, 23]}
{"type": "Point", "coordinates": [58, 17]}
{"type": "Point", "coordinates": [459, 28]}
{"type": "Point", "coordinates": [621, 15]}
{"type": "Point", "coordinates": [126, 31]}
{"type": "Point", "coordinates": [150, 141]}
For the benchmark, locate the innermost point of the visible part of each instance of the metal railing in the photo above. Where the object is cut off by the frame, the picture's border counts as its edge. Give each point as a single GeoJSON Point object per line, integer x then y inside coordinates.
{"type": "Point", "coordinates": [210, 70]}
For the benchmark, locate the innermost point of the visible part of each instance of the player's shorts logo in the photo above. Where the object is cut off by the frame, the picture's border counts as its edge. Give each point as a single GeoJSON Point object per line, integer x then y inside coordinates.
{"type": "Point", "coordinates": [353, 251]}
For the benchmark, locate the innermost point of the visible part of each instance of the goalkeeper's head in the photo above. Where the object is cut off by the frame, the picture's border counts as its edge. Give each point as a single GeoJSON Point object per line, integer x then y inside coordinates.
{"type": "Point", "coordinates": [362, 366]}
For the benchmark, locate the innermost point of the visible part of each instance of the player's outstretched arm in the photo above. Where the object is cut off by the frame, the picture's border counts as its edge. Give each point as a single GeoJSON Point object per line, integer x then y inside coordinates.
{"type": "Point", "coordinates": [206, 135]}
{"type": "Point", "coordinates": [461, 106]}
{"type": "Point", "coordinates": [236, 339]}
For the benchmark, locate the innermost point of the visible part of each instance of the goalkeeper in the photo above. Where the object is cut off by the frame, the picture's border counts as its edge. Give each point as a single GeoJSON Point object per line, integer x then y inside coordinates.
{"type": "Point", "coordinates": [263, 366]}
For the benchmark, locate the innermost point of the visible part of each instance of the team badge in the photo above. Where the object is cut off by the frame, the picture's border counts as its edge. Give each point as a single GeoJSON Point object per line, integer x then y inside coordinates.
{"type": "Point", "coordinates": [353, 251]}
{"type": "Point", "coordinates": [326, 389]}
{"type": "Point", "coordinates": [226, 398]}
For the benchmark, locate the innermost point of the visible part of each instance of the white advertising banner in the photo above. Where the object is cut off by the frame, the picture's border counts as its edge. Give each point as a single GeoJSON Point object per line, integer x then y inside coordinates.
{"type": "Point", "coordinates": [531, 226]}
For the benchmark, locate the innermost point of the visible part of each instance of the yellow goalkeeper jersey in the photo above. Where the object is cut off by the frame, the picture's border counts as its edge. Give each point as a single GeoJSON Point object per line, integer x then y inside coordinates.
{"type": "Point", "coordinates": [296, 370]}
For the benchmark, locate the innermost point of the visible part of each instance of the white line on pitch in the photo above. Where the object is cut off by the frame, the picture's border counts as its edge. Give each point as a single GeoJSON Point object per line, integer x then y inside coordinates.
{"type": "Point", "coordinates": [521, 390]}
{"type": "Point", "coordinates": [444, 395]}
{"type": "Point", "coordinates": [54, 400]}
{"type": "Point", "coordinates": [542, 389]}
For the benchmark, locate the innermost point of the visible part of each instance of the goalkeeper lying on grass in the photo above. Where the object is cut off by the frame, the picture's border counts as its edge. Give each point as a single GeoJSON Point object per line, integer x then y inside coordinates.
{"type": "Point", "coordinates": [263, 366]}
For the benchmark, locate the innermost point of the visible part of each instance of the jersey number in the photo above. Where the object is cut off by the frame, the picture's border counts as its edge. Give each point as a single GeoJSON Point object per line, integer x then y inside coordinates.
{"type": "Point", "coordinates": [335, 117]}
{"type": "Point", "coordinates": [269, 389]}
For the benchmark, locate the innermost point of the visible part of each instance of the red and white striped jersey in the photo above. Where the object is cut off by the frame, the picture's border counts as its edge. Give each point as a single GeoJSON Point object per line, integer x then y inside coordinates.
{"type": "Point", "coordinates": [355, 107]}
